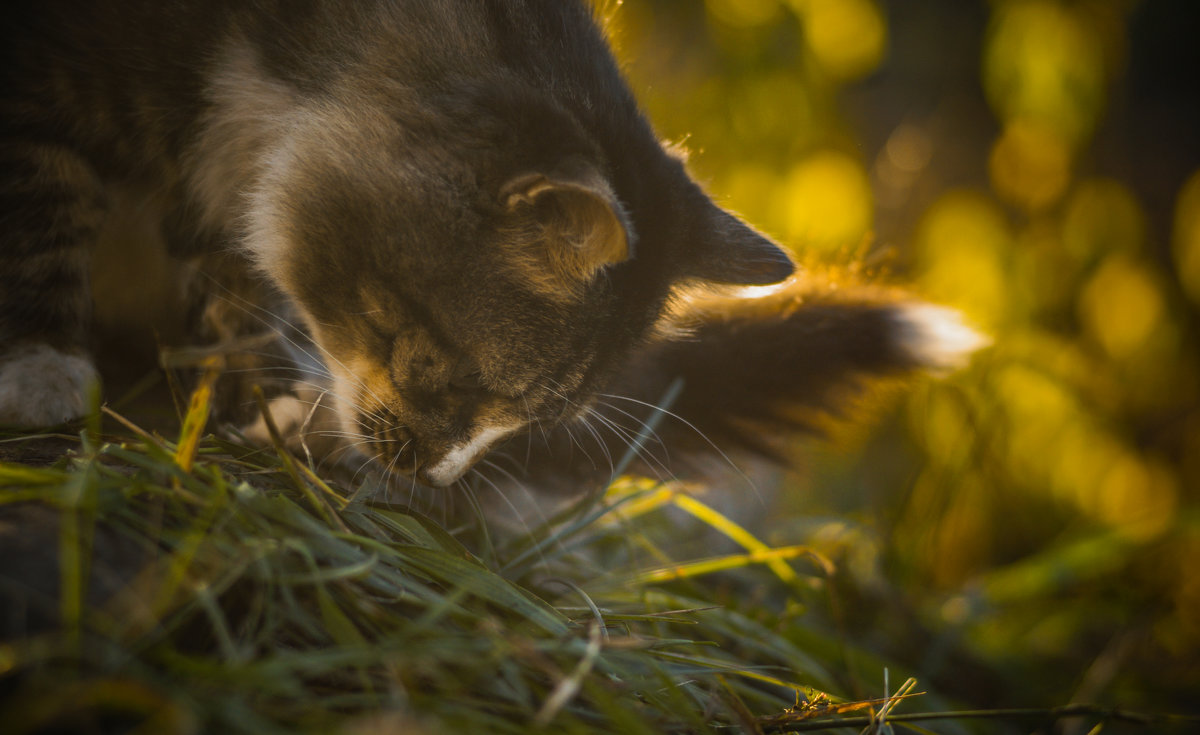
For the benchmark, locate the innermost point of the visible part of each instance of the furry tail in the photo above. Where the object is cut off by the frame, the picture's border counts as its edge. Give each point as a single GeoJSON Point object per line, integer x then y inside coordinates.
{"type": "Point", "coordinates": [756, 371]}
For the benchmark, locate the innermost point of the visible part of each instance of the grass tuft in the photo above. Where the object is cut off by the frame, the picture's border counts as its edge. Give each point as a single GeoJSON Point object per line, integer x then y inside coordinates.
{"type": "Point", "coordinates": [205, 586]}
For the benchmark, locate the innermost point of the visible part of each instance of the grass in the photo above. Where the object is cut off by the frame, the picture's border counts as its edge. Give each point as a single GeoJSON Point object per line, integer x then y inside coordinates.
{"type": "Point", "coordinates": [205, 586]}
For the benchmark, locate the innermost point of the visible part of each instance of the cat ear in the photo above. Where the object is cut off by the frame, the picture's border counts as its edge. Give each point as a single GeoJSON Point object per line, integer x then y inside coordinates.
{"type": "Point", "coordinates": [727, 250]}
{"type": "Point", "coordinates": [578, 216]}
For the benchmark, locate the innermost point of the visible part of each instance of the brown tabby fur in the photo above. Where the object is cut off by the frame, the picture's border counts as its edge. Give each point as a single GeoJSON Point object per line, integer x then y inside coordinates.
{"type": "Point", "coordinates": [453, 209]}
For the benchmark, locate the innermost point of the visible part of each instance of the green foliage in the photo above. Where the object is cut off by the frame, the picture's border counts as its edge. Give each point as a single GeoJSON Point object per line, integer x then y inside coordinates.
{"type": "Point", "coordinates": [249, 604]}
{"type": "Point", "coordinates": [1037, 513]}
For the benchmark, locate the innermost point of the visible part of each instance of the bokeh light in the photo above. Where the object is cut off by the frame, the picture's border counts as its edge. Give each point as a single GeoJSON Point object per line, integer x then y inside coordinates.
{"type": "Point", "coordinates": [744, 13]}
{"type": "Point", "coordinates": [848, 38]}
{"type": "Point", "coordinates": [1042, 500]}
{"type": "Point", "coordinates": [960, 248]}
{"type": "Point", "coordinates": [825, 202]}
{"type": "Point", "coordinates": [1030, 165]}
{"type": "Point", "coordinates": [1101, 217]}
{"type": "Point", "coordinates": [1186, 237]}
{"type": "Point", "coordinates": [1044, 64]}
{"type": "Point", "coordinates": [1121, 305]}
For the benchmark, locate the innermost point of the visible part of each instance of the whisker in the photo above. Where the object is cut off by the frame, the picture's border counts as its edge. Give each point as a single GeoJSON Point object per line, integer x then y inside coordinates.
{"type": "Point", "coordinates": [585, 421]}
{"type": "Point", "coordinates": [641, 423]}
{"type": "Point", "coordinates": [661, 470]}
{"type": "Point", "coordinates": [733, 465]}
{"type": "Point", "coordinates": [516, 512]}
{"type": "Point", "coordinates": [246, 306]}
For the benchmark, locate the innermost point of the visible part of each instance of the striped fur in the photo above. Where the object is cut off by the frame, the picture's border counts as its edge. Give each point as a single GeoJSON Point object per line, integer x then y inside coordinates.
{"type": "Point", "coordinates": [457, 204]}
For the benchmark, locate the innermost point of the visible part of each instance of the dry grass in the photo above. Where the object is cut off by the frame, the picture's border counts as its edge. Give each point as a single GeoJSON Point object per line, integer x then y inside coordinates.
{"type": "Point", "coordinates": [197, 585]}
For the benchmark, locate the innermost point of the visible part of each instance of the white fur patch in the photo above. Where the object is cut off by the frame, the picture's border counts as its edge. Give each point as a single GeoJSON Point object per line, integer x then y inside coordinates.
{"type": "Point", "coordinates": [248, 112]}
{"type": "Point", "coordinates": [287, 411]}
{"type": "Point", "coordinates": [459, 459]}
{"type": "Point", "coordinates": [40, 386]}
{"type": "Point", "coordinates": [937, 337]}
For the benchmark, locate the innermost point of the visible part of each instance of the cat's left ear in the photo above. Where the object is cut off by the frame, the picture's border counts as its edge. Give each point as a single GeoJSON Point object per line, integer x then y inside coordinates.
{"type": "Point", "coordinates": [727, 250]}
{"type": "Point", "coordinates": [581, 222]}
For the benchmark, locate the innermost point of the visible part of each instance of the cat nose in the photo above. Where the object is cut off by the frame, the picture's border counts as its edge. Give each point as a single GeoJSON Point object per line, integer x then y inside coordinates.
{"type": "Point", "coordinates": [426, 476]}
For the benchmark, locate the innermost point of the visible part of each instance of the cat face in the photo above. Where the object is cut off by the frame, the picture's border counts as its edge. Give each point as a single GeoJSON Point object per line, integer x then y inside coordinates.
{"type": "Point", "coordinates": [458, 299]}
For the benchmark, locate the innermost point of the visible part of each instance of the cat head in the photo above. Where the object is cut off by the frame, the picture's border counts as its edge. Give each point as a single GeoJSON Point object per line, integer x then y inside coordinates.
{"type": "Point", "coordinates": [475, 273]}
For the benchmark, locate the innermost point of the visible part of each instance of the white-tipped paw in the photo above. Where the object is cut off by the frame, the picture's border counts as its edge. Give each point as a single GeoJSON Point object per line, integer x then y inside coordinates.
{"type": "Point", "coordinates": [287, 412]}
{"type": "Point", "coordinates": [41, 386]}
{"type": "Point", "coordinates": [305, 422]}
{"type": "Point", "coordinates": [936, 337]}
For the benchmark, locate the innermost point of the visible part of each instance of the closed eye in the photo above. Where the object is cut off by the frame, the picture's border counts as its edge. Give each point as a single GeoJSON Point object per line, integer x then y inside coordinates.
{"type": "Point", "coordinates": [468, 380]}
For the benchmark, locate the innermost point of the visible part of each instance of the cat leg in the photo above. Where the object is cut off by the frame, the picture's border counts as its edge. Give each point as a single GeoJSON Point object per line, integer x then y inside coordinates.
{"type": "Point", "coordinates": [51, 209]}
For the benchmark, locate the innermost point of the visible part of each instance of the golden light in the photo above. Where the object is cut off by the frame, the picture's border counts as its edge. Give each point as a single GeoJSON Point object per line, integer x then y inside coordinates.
{"type": "Point", "coordinates": [1044, 62]}
{"type": "Point", "coordinates": [743, 13]}
{"type": "Point", "coordinates": [1185, 239]}
{"type": "Point", "coordinates": [1040, 411]}
{"type": "Point", "coordinates": [1187, 595]}
{"type": "Point", "coordinates": [825, 202]}
{"type": "Point", "coordinates": [1102, 216]}
{"type": "Point", "coordinates": [1030, 165]}
{"type": "Point", "coordinates": [1121, 305]}
{"type": "Point", "coordinates": [909, 148]}
{"type": "Point", "coordinates": [848, 38]}
{"type": "Point", "coordinates": [962, 534]}
{"type": "Point", "coordinates": [907, 153]}
{"type": "Point", "coordinates": [1137, 496]}
{"type": "Point", "coordinates": [1080, 452]}
{"type": "Point", "coordinates": [749, 188]}
{"type": "Point", "coordinates": [960, 247]}
{"type": "Point", "coordinates": [942, 423]}
{"type": "Point", "coordinates": [772, 103]}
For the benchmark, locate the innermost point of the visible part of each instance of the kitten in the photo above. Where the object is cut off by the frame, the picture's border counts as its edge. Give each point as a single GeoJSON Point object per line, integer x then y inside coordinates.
{"type": "Point", "coordinates": [458, 200]}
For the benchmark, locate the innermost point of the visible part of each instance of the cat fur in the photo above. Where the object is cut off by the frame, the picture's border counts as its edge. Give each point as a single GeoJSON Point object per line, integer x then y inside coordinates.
{"type": "Point", "coordinates": [454, 211]}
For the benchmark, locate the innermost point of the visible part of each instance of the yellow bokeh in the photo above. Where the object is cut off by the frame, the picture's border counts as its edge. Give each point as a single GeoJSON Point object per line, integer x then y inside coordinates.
{"type": "Point", "coordinates": [1069, 445]}
{"type": "Point", "coordinates": [1043, 62]}
{"type": "Point", "coordinates": [1185, 239]}
{"type": "Point", "coordinates": [768, 105]}
{"type": "Point", "coordinates": [1039, 412]}
{"type": "Point", "coordinates": [848, 38]}
{"type": "Point", "coordinates": [825, 203]}
{"type": "Point", "coordinates": [1102, 216]}
{"type": "Point", "coordinates": [1121, 305]}
{"type": "Point", "coordinates": [749, 189]}
{"type": "Point", "coordinates": [1137, 496]}
{"type": "Point", "coordinates": [962, 534]}
{"type": "Point", "coordinates": [960, 246]}
{"type": "Point", "coordinates": [1030, 165]}
{"type": "Point", "coordinates": [1078, 458]}
{"type": "Point", "coordinates": [743, 13]}
{"type": "Point", "coordinates": [944, 424]}
{"type": "Point", "coordinates": [1187, 595]}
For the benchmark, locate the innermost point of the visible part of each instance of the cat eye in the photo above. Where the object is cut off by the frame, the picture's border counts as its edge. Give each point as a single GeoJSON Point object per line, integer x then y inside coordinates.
{"type": "Point", "coordinates": [466, 378]}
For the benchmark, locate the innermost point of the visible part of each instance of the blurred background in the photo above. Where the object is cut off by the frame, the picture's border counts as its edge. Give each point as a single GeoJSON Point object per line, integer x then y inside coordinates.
{"type": "Point", "coordinates": [1028, 532]}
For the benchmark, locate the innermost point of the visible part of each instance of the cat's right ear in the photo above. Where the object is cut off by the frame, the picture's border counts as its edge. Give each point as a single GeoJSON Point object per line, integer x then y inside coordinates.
{"type": "Point", "coordinates": [728, 251]}
{"type": "Point", "coordinates": [576, 216]}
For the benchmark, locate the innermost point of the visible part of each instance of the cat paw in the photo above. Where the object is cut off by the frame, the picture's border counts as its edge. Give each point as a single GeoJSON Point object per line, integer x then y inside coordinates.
{"type": "Point", "coordinates": [306, 424]}
{"type": "Point", "coordinates": [287, 413]}
{"type": "Point", "coordinates": [936, 337]}
{"type": "Point", "coordinates": [41, 386]}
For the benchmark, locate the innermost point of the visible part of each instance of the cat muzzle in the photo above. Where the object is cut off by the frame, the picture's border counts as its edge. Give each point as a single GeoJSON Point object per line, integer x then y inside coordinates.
{"type": "Point", "coordinates": [461, 457]}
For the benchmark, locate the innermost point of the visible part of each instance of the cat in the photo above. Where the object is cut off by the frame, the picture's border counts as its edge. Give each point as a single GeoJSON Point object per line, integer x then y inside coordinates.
{"type": "Point", "coordinates": [459, 203]}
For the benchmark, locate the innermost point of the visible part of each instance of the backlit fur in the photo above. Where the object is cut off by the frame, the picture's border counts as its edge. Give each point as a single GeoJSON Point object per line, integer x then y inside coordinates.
{"type": "Point", "coordinates": [457, 218]}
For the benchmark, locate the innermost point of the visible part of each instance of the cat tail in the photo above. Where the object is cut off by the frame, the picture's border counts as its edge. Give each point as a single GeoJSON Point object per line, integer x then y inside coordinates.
{"type": "Point", "coordinates": [754, 372]}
